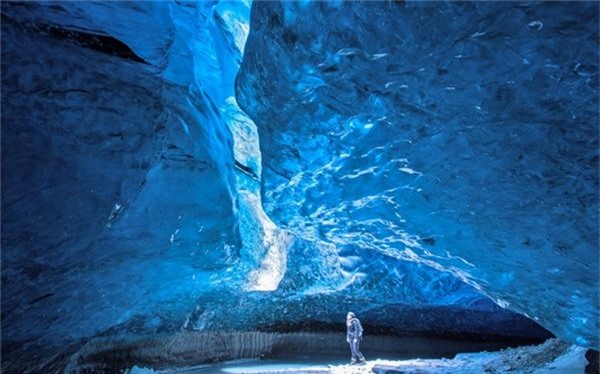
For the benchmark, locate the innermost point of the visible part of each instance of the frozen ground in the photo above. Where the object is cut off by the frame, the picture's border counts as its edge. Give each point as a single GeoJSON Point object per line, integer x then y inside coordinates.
{"type": "Point", "coordinates": [553, 356]}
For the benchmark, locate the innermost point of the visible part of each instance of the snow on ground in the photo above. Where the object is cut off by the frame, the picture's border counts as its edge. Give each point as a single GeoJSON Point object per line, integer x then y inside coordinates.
{"type": "Point", "coordinates": [553, 356]}
{"type": "Point", "coordinates": [573, 361]}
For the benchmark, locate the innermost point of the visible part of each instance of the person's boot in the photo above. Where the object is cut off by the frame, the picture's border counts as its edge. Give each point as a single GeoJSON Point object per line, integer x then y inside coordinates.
{"type": "Point", "coordinates": [362, 361]}
{"type": "Point", "coordinates": [353, 361]}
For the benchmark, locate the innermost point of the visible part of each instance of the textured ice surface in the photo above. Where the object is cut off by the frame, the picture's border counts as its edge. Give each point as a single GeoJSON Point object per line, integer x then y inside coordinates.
{"type": "Point", "coordinates": [118, 195]}
{"type": "Point", "coordinates": [131, 195]}
{"type": "Point", "coordinates": [459, 135]}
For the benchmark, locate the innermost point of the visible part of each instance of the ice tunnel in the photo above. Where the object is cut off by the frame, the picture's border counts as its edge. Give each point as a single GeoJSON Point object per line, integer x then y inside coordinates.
{"type": "Point", "coordinates": [191, 182]}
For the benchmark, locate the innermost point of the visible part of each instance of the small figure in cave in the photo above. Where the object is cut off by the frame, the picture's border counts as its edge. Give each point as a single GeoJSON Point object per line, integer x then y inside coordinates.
{"type": "Point", "coordinates": [354, 333]}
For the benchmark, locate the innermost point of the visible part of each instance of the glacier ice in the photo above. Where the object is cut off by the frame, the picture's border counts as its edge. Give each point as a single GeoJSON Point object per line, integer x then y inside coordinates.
{"type": "Point", "coordinates": [119, 198]}
{"type": "Point", "coordinates": [133, 184]}
{"type": "Point", "coordinates": [463, 136]}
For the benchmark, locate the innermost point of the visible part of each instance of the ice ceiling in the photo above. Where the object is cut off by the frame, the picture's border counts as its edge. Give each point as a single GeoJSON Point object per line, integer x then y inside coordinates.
{"type": "Point", "coordinates": [459, 135]}
{"type": "Point", "coordinates": [413, 158]}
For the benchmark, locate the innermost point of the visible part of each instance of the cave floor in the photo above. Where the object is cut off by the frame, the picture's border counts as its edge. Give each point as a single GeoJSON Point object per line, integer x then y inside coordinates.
{"type": "Point", "coordinates": [553, 356]}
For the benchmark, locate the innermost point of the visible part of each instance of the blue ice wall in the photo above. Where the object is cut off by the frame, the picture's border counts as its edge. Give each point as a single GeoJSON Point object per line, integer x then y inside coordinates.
{"type": "Point", "coordinates": [118, 187]}
{"type": "Point", "coordinates": [463, 136]}
{"type": "Point", "coordinates": [131, 194]}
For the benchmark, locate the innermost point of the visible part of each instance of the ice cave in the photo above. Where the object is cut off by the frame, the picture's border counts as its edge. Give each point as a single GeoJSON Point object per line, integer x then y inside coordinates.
{"type": "Point", "coordinates": [211, 186]}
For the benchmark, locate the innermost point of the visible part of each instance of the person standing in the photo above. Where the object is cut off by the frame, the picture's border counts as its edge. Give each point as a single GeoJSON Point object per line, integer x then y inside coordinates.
{"type": "Point", "coordinates": [354, 333]}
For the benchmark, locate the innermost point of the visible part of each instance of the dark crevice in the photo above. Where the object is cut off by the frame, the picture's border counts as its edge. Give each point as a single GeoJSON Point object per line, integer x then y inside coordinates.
{"type": "Point", "coordinates": [101, 43]}
{"type": "Point", "coordinates": [38, 299]}
{"type": "Point", "coordinates": [246, 170]}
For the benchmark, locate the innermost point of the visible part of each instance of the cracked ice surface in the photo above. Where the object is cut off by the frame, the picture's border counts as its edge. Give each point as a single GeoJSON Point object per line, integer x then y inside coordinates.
{"type": "Point", "coordinates": [463, 136]}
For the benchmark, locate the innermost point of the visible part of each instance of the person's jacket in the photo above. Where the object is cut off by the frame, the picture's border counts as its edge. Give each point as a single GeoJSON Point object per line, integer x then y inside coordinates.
{"type": "Point", "coordinates": [354, 329]}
